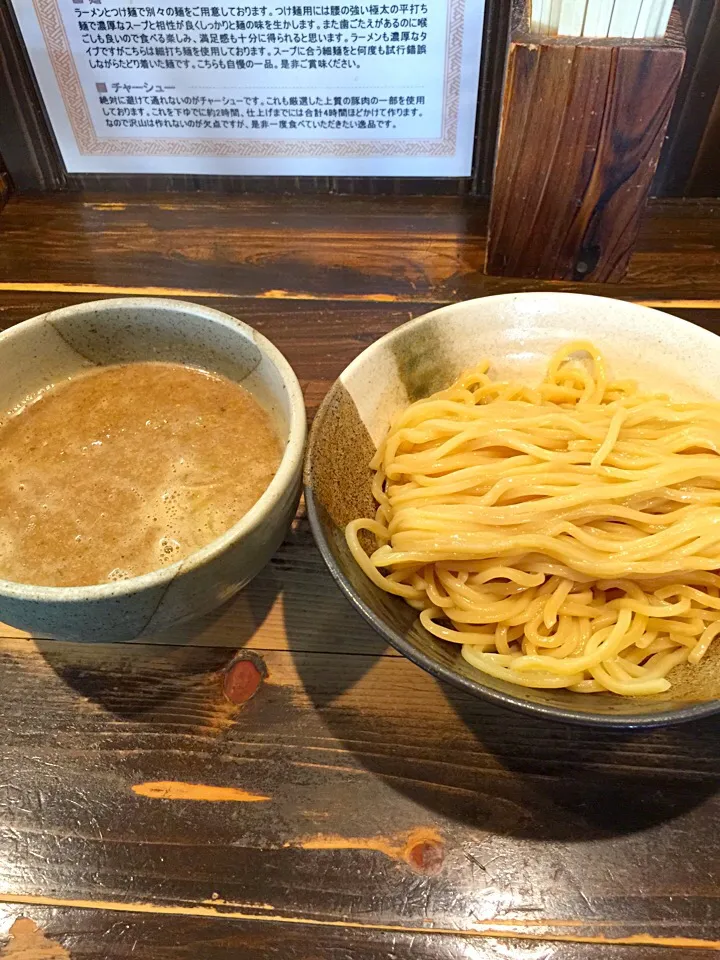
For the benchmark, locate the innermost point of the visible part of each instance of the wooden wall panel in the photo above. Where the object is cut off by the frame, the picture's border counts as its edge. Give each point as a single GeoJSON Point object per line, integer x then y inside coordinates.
{"type": "Point", "coordinates": [492, 72]}
{"type": "Point", "coordinates": [704, 178]}
{"type": "Point", "coordinates": [28, 147]}
{"type": "Point", "coordinates": [582, 128]}
{"type": "Point", "coordinates": [5, 184]}
{"type": "Point", "coordinates": [690, 164]}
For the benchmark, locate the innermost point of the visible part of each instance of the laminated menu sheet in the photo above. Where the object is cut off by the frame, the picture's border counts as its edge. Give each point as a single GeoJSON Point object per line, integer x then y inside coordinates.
{"type": "Point", "coordinates": [347, 89]}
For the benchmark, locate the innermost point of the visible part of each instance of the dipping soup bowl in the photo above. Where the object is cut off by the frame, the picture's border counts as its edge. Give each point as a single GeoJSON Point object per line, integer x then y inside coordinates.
{"type": "Point", "coordinates": [56, 345]}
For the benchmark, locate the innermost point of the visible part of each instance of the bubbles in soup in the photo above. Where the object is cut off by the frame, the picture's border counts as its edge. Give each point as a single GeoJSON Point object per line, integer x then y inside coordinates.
{"type": "Point", "coordinates": [126, 469]}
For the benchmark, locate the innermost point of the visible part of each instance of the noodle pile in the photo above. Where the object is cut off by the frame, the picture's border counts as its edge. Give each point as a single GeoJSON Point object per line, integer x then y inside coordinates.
{"type": "Point", "coordinates": [566, 534]}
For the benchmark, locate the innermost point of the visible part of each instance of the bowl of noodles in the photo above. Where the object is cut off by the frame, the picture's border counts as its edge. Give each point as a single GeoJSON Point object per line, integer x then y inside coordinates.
{"type": "Point", "coordinates": [521, 493]}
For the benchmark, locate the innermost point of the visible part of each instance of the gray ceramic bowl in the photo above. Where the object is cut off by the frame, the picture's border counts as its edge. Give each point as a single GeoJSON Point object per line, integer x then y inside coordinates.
{"type": "Point", "coordinates": [519, 332]}
{"type": "Point", "coordinates": [39, 351]}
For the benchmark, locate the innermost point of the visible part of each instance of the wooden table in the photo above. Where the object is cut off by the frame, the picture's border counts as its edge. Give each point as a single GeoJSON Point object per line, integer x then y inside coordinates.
{"type": "Point", "coordinates": [354, 807]}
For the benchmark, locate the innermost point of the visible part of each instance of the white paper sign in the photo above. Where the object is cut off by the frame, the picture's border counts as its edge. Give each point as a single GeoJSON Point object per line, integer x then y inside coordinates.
{"type": "Point", "coordinates": [340, 89]}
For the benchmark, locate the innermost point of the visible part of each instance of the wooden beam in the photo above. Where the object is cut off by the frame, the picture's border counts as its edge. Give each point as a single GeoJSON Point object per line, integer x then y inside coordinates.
{"type": "Point", "coordinates": [582, 126]}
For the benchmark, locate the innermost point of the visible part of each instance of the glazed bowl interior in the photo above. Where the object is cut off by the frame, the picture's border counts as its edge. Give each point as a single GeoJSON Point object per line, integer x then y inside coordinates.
{"type": "Point", "coordinates": [65, 342]}
{"type": "Point", "coordinates": [49, 348]}
{"type": "Point", "coordinates": [518, 332]}
{"type": "Point", "coordinates": [137, 329]}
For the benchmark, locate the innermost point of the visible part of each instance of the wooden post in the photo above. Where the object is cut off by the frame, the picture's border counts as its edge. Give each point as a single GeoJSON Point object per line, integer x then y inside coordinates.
{"type": "Point", "coordinates": [582, 126]}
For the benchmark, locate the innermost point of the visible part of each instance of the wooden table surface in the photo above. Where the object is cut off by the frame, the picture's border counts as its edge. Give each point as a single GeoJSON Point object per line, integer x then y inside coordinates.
{"type": "Point", "coordinates": [354, 807]}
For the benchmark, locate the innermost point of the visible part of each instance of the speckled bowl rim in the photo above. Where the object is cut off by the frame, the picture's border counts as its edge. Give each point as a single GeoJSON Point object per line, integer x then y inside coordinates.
{"type": "Point", "coordinates": [285, 476]}
{"type": "Point", "coordinates": [399, 642]}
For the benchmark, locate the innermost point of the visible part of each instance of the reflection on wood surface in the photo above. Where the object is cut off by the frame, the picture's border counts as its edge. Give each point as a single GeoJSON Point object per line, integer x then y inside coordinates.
{"type": "Point", "coordinates": [404, 818]}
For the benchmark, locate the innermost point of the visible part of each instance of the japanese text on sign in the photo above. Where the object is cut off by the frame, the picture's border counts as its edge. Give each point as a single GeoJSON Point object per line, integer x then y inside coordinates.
{"type": "Point", "coordinates": [374, 88]}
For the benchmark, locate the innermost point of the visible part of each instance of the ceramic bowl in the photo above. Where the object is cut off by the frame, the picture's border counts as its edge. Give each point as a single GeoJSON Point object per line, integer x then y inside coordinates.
{"type": "Point", "coordinates": [519, 332]}
{"type": "Point", "coordinates": [39, 351]}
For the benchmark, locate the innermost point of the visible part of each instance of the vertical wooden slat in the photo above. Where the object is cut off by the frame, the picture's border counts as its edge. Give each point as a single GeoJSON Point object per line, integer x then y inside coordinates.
{"type": "Point", "coordinates": [581, 130]}
{"type": "Point", "coordinates": [26, 142]}
{"type": "Point", "coordinates": [597, 18]}
{"type": "Point", "coordinates": [555, 230]}
{"type": "Point", "coordinates": [640, 98]}
{"type": "Point", "coordinates": [496, 34]}
{"type": "Point", "coordinates": [5, 184]}
{"type": "Point", "coordinates": [705, 175]}
{"type": "Point", "coordinates": [697, 92]}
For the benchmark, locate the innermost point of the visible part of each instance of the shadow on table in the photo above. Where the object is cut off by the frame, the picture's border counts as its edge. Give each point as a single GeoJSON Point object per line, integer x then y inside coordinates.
{"type": "Point", "coordinates": [142, 681]}
{"type": "Point", "coordinates": [320, 623]}
{"type": "Point", "coordinates": [577, 783]}
{"type": "Point", "coordinates": [458, 757]}
{"type": "Point", "coordinates": [499, 770]}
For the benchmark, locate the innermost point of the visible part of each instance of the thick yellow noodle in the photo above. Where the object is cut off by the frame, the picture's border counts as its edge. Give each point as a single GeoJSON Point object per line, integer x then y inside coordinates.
{"type": "Point", "coordinates": [566, 534]}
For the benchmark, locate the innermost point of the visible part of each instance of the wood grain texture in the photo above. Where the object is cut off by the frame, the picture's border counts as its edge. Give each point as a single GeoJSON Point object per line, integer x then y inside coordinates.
{"type": "Point", "coordinates": [581, 131]}
{"type": "Point", "coordinates": [689, 163]}
{"type": "Point", "coordinates": [384, 251]}
{"type": "Point", "coordinates": [5, 184]}
{"type": "Point", "coordinates": [539, 830]}
{"type": "Point", "coordinates": [26, 143]}
{"type": "Point", "coordinates": [101, 935]}
{"type": "Point", "coordinates": [398, 816]}
{"type": "Point", "coordinates": [139, 183]}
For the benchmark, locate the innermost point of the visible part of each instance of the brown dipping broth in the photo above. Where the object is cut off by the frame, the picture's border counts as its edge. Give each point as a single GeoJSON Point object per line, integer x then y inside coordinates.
{"type": "Point", "coordinates": [122, 470]}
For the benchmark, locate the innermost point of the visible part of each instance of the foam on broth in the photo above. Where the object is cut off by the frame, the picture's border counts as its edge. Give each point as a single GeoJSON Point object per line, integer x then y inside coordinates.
{"type": "Point", "coordinates": [125, 469]}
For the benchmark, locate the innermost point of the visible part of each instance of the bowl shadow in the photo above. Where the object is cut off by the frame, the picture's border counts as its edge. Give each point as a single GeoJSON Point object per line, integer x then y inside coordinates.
{"type": "Point", "coordinates": [142, 681]}
{"type": "Point", "coordinates": [578, 783]}
{"type": "Point", "coordinates": [472, 762]}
